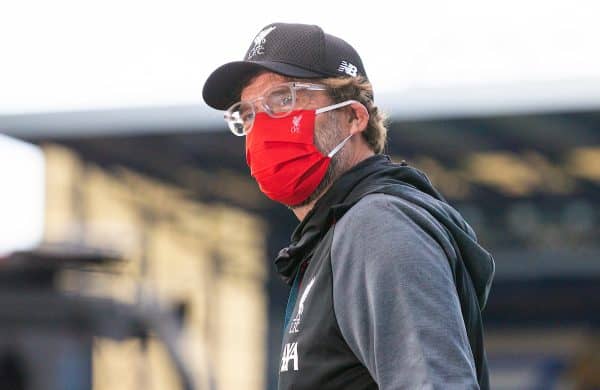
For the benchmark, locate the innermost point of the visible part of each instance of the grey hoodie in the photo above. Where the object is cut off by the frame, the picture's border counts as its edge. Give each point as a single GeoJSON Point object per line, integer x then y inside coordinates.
{"type": "Point", "coordinates": [388, 287]}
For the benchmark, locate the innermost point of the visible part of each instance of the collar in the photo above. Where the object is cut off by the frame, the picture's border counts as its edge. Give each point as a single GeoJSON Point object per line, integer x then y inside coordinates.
{"type": "Point", "coordinates": [349, 188]}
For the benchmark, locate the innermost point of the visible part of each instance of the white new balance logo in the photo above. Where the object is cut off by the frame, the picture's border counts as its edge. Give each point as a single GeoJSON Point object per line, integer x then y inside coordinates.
{"type": "Point", "coordinates": [290, 352]}
{"type": "Point", "coordinates": [348, 68]}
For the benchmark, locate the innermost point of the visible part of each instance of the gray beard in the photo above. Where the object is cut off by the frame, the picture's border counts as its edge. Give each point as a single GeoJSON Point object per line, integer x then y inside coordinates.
{"type": "Point", "coordinates": [328, 137]}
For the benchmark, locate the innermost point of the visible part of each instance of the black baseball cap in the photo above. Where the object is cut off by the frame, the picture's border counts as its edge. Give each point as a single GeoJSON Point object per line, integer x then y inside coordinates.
{"type": "Point", "coordinates": [293, 50]}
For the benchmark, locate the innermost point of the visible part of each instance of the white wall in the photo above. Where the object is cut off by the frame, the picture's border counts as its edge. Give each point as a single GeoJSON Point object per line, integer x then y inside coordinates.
{"type": "Point", "coordinates": [22, 193]}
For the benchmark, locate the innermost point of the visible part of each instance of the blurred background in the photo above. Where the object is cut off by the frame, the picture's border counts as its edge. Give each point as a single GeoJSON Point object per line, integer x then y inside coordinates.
{"type": "Point", "coordinates": [125, 199]}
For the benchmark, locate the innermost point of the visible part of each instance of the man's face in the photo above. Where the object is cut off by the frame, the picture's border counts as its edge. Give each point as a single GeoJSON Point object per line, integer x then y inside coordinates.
{"type": "Point", "coordinates": [329, 129]}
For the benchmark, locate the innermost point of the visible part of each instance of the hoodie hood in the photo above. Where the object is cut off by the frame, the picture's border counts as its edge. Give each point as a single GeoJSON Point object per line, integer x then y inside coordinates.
{"type": "Point", "coordinates": [474, 266]}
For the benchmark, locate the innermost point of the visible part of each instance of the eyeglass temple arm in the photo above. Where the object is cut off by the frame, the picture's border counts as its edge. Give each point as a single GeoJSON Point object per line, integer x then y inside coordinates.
{"type": "Point", "coordinates": [335, 106]}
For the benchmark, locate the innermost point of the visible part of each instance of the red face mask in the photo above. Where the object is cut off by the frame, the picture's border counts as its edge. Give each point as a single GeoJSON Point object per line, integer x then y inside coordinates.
{"type": "Point", "coordinates": [283, 158]}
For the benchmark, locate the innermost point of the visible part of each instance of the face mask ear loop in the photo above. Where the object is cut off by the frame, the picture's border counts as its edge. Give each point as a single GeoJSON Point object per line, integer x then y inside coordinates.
{"type": "Point", "coordinates": [340, 145]}
{"type": "Point", "coordinates": [335, 107]}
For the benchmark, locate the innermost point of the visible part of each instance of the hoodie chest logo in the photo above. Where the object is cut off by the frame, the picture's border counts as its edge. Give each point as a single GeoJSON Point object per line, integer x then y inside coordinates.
{"type": "Point", "coordinates": [296, 321]}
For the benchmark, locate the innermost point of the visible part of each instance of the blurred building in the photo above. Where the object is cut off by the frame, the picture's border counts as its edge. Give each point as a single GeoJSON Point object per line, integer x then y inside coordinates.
{"type": "Point", "coordinates": [205, 260]}
{"type": "Point", "coordinates": [181, 207]}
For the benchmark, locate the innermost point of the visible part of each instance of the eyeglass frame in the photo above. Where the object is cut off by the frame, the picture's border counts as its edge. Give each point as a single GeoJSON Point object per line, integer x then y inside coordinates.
{"type": "Point", "coordinates": [293, 85]}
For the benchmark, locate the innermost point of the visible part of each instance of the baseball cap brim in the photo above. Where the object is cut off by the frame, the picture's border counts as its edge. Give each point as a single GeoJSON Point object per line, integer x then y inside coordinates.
{"type": "Point", "coordinates": [222, 87]}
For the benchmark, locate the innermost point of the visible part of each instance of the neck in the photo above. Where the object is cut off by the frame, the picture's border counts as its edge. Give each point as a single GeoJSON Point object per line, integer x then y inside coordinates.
{"type": "Point", "coordinates": [302, 211]}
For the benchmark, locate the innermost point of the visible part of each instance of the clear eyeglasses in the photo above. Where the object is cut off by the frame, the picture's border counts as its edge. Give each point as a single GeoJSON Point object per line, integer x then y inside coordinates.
{"type": "Point", "coordinates": [277, 102]}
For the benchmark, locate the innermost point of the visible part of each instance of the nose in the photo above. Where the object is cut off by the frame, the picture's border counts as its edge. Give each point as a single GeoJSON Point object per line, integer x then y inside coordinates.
{"type": "Point", "coordinates": [258, 106]}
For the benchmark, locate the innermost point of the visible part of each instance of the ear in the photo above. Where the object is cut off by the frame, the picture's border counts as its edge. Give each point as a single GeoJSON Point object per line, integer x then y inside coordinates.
{"type": "Point", "coordinates": [359, 118]}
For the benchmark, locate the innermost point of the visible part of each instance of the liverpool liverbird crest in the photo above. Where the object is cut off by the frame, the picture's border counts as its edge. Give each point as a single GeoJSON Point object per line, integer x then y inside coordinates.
{"type": "Point", "coordinates": [259, 42]}
{"type": "Point", "coordinates": [296, 124]}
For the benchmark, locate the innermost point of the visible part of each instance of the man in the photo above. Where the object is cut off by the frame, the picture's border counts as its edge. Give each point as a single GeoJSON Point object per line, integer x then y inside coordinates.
{"type": "Point", "coordinates": [387, 280]}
